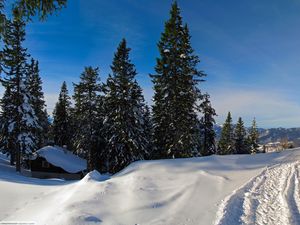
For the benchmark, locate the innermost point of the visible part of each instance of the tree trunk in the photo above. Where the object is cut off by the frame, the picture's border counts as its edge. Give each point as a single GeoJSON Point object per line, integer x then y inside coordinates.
{"type": "Point", "coordinates": [18, 160]}
{"type": "Point", "coordinates": [12, 159]}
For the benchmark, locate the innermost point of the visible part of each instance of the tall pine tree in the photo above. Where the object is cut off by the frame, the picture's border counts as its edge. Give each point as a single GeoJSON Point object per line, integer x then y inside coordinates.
{"type": "Point", "coordinates": [240, 137]}
{"type": "Point", "coordinates": [148, 130]}
{"type": "Point", "coordinates": [176, 126]}
{"type": "Point", "coordinates": [62, 123]}
{"type": "Point", "coordinates": [23, 120]}
{"type": "Point", "coordinates": [13, 64]}
{"type": "Point", "coordinates": [226, 142]}
{"type": "Point", "coordinates": [88, 138]}
{"type": "Point", "coordinates": [253, 137]}
{"type": "Point", "coordinates": [8, 139]}
{"type": "Point", "coordinates": [29, 124]}
{"type": "Point", "coordinates": [124, 104]}
{"type": "Point", "coordinates": [34, 84]}
{"type": "Point", "coordinates": [207, 122]}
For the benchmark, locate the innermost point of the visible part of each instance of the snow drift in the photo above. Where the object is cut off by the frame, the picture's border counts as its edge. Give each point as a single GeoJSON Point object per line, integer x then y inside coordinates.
{"type": "Point", "coordinates": [162, 192]}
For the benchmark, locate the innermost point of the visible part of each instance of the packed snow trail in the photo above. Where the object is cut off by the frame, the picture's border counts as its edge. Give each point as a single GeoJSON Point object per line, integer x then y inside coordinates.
{"type": "Point", "coordinates": [271, 198]}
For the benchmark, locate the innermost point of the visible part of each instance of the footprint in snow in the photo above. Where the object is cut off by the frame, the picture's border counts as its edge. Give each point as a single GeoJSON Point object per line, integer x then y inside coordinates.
{"type": "Point", "coordinates": [92, 219]}
{"type": "Point", "coordinates": [157, 205]}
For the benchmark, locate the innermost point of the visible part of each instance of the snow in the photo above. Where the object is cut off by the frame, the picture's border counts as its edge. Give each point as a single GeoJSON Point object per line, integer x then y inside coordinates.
{"type": "Point", "coordinates": [270, 198]}
{"type": "Point", "coordinates": [94, 176]}
{"type": "Point", "coordinates": [63, 158]}
{"type": "Point", "coordinates": [235, 189]}
{"type": "Point", "coordinates": [183, 56]}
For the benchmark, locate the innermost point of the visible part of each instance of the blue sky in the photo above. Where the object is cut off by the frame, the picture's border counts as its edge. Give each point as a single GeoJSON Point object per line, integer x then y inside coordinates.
{"type": "Point", "coordinates": [249, 49]}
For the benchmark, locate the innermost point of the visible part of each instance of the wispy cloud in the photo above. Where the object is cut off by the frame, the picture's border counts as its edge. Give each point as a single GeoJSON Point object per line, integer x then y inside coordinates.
{"type": "Point", "coordinates": [271, 109]}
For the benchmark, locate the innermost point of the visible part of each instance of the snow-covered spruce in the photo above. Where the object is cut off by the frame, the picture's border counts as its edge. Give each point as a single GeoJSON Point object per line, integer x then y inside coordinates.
{"type": "Point", "coordinates": [21, 128]}
{"type": "Point", "coordinates": [124, 114]}
{"type": "Point", "coordinates": [88, 118]}
{"type": "Point", "coordinates": [177, 94]}
{"type": "Point", "coordinates": [241, 141]}
{"type": "Point", "coordinates": [207, 122]}
{"type": "Point", "coordinates": [34, 86]}
{"type": "Point", "coordinates": [62, 121]}
{"type": "Point", "coordinates": [29, 123]}
{"type": "Point", "coordinates": [226, 142]}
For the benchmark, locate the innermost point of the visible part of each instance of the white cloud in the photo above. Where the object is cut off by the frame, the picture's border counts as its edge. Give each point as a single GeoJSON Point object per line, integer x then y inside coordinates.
{"type": "Point", "coordinates": [269, 108]}
{"type": "Point", "coordinates": [51, 99]}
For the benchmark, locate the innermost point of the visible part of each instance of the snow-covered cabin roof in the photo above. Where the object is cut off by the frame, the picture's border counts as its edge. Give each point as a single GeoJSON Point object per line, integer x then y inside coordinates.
{"type": "Point", "coordinates": [62, 158]}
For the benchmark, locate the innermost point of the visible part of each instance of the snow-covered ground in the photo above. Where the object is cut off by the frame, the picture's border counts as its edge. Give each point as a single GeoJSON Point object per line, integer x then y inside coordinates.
{"type": "Point", "coordinates": [235, 189]}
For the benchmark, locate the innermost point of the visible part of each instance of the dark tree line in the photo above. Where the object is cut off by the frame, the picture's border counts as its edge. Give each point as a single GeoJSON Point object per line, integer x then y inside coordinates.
{"type": "Point", "coordinates": [237, 139]}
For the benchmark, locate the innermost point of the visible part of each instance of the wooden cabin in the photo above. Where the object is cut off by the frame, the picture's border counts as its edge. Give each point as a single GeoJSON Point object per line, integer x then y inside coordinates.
{"type": "Point", "coordinates": [57, 162]}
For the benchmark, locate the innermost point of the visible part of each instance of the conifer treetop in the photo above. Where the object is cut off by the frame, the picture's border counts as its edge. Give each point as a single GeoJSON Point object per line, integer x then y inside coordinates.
{"type": "Point", "coordinates": [122, 65]}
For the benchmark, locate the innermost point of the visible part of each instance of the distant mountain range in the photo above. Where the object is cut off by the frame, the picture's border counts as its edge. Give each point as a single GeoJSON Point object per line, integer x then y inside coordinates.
{"type": "Point", "coordinates": [273, 134]}
{"type": "Point", "coordinates": [277, 134]}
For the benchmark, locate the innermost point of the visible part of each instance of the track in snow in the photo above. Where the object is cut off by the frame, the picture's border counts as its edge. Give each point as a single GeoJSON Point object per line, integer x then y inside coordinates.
{"type": "Point", "coordinates": [271, 198]}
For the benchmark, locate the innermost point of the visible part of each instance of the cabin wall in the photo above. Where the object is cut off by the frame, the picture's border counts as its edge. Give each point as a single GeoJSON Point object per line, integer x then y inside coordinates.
{"type": "Point", "coordinates": [47, 175]}
{"type": "Point", "coordinates": [37, 165]}
{"type": "Point", "coordinates": [38, 170]}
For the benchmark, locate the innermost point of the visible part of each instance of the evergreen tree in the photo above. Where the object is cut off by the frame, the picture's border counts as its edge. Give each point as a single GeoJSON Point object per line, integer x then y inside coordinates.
{"type": "Point", "coordinates": [27, 9]}
{"type": "Point", "coordinates": [240, 138]}
{"type": "Point", "coordinates": [124, 119]}
{"type": "Point", "coordinates": [34, 84]}
{"type": "Point", "coordinates": [8, 139]}
{"type": "Point", "coordinates": [62, 124]}
{"type": "Point", "coordinates": [148, 129]}
{"type": "Point", "coordinates": [248, 144]}
{"type": "Point", "coordinates": [253, 137]}
{"type": "Point", "coordinates": [41, 8]}
{"type": "Point", "coordinates": [176, 126]}
{"type": "Point", "coordinates": [23, 122]}
{"type": "Point", "coordinates": [2, 21]}
{"type": "Point", "coordinates": [226, 142]}
{"type": "Point", "coordinates": [207, 123]}
{"type": "Point", "coordinates": [29, 124]}
{"type": "Point", "coordinates": [88, 138]}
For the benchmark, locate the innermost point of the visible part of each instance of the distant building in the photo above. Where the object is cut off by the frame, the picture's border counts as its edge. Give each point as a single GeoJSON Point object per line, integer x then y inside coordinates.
{"type": "Point", "coordinates": [273, 147]}
{"type": "Point", "coordinates": [57, 162]}
{"type": "Point", "coordinates": [277, 146]}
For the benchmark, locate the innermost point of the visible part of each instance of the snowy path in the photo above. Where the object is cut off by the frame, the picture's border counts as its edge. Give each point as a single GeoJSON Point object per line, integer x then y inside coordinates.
{"type": "Point", "coordinates": [270, 198]}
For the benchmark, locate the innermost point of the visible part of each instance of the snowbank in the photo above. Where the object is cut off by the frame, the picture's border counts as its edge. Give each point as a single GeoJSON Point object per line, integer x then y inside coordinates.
{"type": "Point", "coordinates": [94, 176]}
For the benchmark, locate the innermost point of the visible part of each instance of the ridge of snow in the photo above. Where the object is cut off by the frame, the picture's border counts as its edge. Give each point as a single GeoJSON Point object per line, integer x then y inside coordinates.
{"type": "Point", "coordinates": [94, 176]}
